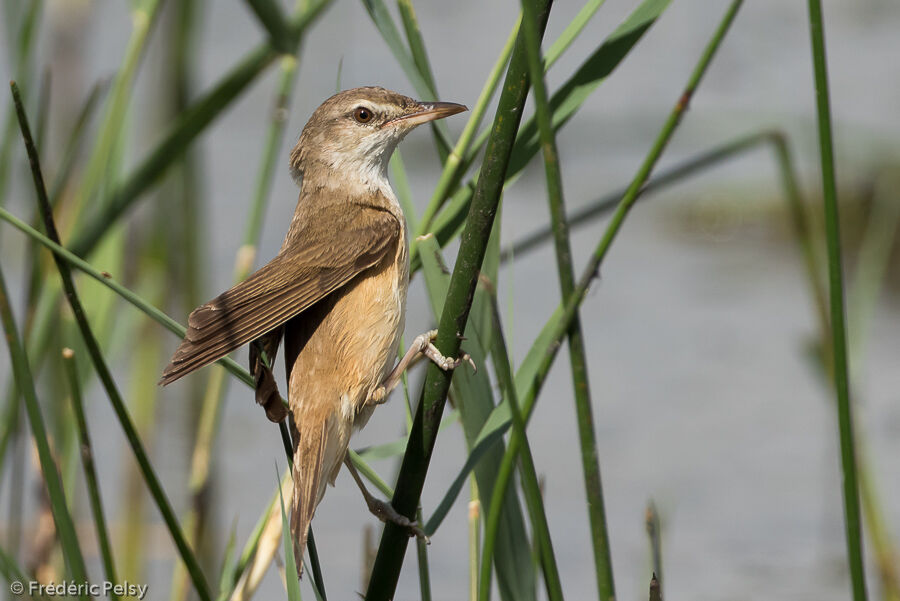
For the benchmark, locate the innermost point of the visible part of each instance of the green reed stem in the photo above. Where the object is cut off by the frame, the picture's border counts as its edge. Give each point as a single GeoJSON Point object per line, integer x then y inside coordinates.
{"type": "Point", "coordinates": [65, 528]}
{"type": "Point", "coordinates": [21, 47]}
{"type": "Point", "coordinates": [102, 369]}
{"type": "Point", "coordinates": [416, 42]}
{"type": "Point", "coordinates": [464, 153]}
{"type": "Point", "coordinates": [454, 166]}
{"type": "Point", "coordinates": [460, 294]}
{"type": "Point", "coordinates": [214, 395]}
{"type": "Point", "coordinates": [185, 129]}
{"type": "Point", "coordinates": [802, 229]}
{"type": "Point", "coordinates": [654, 536]}
{"type": "Point", "coordinates": [570, 307]}
{"type": "Point", "coordinates": [520, 450]}
{"type": "Point", "coordinates": [270, 16]}
{"type": "Point", "coordinates": [315, 565]}
{"type": "Point", "coordinates": [853, 530]}
{"type": "Point", "coordinates": [587, 437]}
{"type": "Point", "coordinates": [90, 473]}
{"type": "Point", "coordinates": [474, 539]}
{"type": "Point", "coordinates": [422, 556]}
{"type": "Point", "coordinates": [143, 17]}
{"type": "Point", "coordinates": [155, 314]}
{"type": "Point", "coordinates": [423, 65]}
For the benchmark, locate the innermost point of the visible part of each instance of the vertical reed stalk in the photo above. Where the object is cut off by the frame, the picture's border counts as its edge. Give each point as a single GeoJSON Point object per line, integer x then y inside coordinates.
{"type": "Point", "coordinates": [654, 536]}
{"type": "Point", "coordinates": [90, 473]}
{"type": "Point", "coordinates": [587, 437]}
{"type": "Point", "coordinates": [474, 539]}
{"type": "Point", "coordinates": [852, 526]}
{"type": "Point", "coordinates": [453, 319]}
{"type": "Point", "coordinates": [520, 450]}
{"type": "Point", "coordinates": [422, 556]}
{"type": "Point", "coordinates": [566, 312]}
{"type": "Point", "coordinates": [65, 527]}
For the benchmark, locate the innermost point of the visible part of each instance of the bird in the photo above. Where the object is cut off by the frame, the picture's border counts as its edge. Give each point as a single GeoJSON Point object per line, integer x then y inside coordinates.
{"type": "Point", "coordinates": [335, 292]}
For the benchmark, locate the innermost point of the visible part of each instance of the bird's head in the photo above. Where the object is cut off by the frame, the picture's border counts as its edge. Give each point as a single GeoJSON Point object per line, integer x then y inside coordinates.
{"type": "Point", "coordinates": [354, 132]}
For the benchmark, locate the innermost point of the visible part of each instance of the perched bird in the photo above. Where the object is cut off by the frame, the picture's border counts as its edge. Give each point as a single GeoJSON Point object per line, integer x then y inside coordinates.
{"type": "Point", "coordinates": [336, 291]}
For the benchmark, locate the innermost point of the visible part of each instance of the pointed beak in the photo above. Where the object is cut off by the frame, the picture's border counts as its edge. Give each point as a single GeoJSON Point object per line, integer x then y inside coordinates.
{"type": "Point", "coordinates": [428, 111]}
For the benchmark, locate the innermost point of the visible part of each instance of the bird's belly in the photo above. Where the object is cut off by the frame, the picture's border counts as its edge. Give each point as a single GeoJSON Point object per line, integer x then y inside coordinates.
{"type": "Point", "coordinates": [350, 346]}
{"type": "Point", "coordinates": [371, 318]}
{"type": "Point", "coordinates": [341, 349]}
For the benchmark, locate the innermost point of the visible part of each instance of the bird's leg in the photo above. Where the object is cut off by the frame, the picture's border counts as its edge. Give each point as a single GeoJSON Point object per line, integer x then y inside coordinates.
{"type": "Point", "coordinates": [262, 358]}
{"type": "Point", "coordinates": [422, 345]}
{"type": "Point", "coordinates": [382, 510]}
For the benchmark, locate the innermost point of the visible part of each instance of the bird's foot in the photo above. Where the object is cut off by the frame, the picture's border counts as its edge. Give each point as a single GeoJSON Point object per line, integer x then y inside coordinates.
{"type": "Point", "coordinates": [378, 396]}
{"type": "Point", "coordinates": [446, 363]}
{"type": "Point", "coordinates": [386, 513]}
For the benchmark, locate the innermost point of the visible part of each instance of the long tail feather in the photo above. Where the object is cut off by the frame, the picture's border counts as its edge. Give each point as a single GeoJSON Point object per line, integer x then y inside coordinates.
{"type": "Point", "coordinates": [307, 474]}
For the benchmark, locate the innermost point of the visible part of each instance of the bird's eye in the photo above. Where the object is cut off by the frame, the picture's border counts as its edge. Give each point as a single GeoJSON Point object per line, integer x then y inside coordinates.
{"type": "Point", "coordinates": [362, 114]}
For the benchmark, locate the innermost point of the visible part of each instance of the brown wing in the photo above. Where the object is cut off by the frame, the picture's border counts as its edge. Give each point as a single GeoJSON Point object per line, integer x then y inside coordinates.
{"type": "Point", "coordinates": [323, 255]}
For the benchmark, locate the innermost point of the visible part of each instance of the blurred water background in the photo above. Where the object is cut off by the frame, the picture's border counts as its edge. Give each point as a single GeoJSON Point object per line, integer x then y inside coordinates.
{"type": "Point", "coordinates": [698, 330]}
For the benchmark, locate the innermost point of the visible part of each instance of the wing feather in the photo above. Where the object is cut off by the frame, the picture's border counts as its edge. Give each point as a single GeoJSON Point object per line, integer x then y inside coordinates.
{"type": "Point", "coordinates": [321, 257]}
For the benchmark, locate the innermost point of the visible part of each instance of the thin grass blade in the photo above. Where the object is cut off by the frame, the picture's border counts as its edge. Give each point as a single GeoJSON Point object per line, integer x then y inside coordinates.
{"type": "Point", "coordinates": [90, 473]}
{"type": "Point", "coordinates": [292, 578]}
{"type": "Point", "coordinates": [853, 529]}
{"type": "Point", "coordinates": [65, 527]}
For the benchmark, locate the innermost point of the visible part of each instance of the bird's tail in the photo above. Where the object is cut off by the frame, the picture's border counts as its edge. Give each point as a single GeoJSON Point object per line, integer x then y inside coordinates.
{"type": "Point", "coordinates": [309, 486]}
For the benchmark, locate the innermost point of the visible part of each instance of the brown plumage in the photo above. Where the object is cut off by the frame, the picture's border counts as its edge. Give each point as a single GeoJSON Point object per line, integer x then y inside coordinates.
{"type": "Point", "coordinates": [336, 289]}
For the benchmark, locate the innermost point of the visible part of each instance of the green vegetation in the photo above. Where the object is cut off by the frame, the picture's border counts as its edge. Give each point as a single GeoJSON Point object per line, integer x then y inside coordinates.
{"type": "Point", "coordinates": [57, 345]}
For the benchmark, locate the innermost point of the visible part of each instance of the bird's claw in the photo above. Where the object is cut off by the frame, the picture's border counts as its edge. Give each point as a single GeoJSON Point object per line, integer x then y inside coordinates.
{"type": "Point", "coordinates": [446, 363]}
{"type": "Point", "coordinates": [378, 396]}
{"type": "Point", "coordinates": [386, 513]}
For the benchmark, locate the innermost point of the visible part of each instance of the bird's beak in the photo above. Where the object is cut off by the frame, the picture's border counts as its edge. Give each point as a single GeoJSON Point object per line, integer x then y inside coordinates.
{"type": "Point", "coordinates": [428, 111]}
